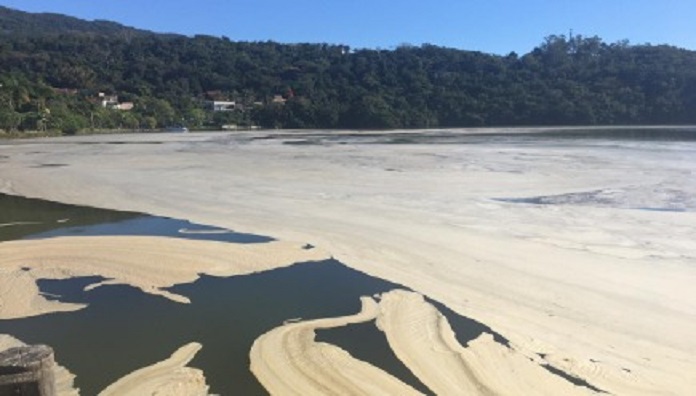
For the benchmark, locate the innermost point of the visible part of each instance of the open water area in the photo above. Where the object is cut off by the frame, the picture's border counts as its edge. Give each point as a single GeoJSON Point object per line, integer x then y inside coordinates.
{"type": "Point", "coordinates": [123, 329]}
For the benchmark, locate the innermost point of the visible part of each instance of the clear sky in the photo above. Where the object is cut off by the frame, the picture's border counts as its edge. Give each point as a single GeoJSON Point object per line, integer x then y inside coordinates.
{"type": "Point", "coordinates": [494, 26]}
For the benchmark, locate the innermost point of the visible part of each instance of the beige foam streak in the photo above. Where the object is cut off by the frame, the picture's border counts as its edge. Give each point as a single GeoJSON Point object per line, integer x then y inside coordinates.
{"type": "Point", "coordinates": [20, 296]}
{"type": "Point", "coordinates": [169, 377]}
{"type": "Point", "coordinates": [288, 361]}
{"type": "Point", "coordinates": [148, 263]}
{"type": "Point", "coordinates": [422, 338]}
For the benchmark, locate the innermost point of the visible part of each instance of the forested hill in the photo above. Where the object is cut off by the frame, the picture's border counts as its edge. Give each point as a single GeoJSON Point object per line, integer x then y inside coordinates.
{"type": "Point", "coordinates": [15, 22]}
{"type": "Point", "coordinates": [52, 80]}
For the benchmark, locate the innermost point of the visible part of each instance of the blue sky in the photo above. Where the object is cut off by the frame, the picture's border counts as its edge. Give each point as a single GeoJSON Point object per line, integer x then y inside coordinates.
{"type": "Point", "coordinates": [494, 26]}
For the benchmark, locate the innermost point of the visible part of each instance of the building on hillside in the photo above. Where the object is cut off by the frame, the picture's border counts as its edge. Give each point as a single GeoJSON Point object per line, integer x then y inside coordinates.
{"type": "Point", "coordinates": [111, 102]}
{"type": "Point", "coordinates": [108, 101]}
{"type": "Point", "coordinates": [222, 105]}
{"type": "Point", "coordinates": [125, 106]}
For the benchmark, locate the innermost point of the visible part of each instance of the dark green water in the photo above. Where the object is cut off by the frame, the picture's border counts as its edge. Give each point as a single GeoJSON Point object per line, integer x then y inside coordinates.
{"type": "Point", "coordinates": [367, 343]}
{"type": "Point", "coordinates": [124, 329]}
{"type": "Point", "coordinates": [42, 216]}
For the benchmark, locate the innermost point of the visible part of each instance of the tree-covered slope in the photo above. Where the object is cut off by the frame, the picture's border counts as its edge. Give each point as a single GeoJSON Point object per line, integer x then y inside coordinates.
{"type": "Point", "coordinates": [14, 22]}
{"type": "Point", "coordinates": [51, 80]}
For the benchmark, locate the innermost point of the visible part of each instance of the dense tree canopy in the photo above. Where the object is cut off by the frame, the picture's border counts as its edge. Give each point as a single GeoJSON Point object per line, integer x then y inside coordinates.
{"type": "Point", "coordinates": [50, 81]}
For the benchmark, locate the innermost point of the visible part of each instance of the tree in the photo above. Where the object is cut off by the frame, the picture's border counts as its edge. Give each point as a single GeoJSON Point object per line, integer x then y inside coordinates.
{"type": "Point", "coordinates": [565, 80]}
{"type": "Point", "coordinates": [9, 119]}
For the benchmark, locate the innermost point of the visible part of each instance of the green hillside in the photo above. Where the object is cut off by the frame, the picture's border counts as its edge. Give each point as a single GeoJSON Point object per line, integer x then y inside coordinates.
{"type": "Point", "coordinates": [53, 67]}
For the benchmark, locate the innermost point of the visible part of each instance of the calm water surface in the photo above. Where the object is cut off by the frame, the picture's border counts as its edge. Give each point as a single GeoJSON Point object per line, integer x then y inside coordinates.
{"type": "Point", "coordinates": [124, 329]}
{"type": "Point", "coordinates": [562, 136]}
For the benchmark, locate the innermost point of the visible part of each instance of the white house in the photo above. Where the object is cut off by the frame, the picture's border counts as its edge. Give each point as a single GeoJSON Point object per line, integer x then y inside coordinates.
{"type": "Point", "coordinates": [220, 105]}
{"type": "Point", "coordinates": [110, 101]}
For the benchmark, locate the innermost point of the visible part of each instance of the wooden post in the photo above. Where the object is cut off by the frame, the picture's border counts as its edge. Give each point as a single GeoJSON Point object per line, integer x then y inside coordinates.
{"type": "Point", "coordinates": [27, 371]}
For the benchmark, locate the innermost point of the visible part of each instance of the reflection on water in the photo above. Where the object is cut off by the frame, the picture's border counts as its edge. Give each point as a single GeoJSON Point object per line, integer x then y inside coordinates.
{"type": "Point", "coordinates": [124, 329]}
{"type": "Point", "coordinates": [35, 219]}
{"type": "Point", "coordinates": [36, 216]}
{"type": "Point", "coordinates": [156, 226]}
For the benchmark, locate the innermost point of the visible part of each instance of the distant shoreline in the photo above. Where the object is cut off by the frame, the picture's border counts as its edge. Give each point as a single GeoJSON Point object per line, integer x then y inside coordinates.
{"type": "Point", "coordinates": [464, 130]}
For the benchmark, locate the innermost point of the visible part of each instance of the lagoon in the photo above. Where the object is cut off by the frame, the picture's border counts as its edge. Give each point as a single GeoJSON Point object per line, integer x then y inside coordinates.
{"type": "Point", "coordinates": [577, 250]}
{"type": "Point", "coordinates": [123, 329]}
